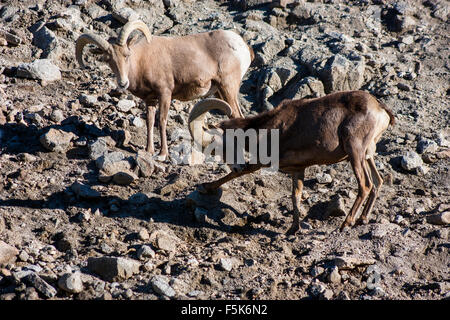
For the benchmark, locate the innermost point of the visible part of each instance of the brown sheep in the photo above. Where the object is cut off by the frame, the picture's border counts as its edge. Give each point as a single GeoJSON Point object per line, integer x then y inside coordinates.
{"type": "Point", "coordinates": [339, 126]}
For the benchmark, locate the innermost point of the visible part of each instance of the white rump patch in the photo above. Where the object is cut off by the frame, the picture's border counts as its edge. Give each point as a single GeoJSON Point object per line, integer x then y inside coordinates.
{"type": "Point", "coordinates": [241, 50]}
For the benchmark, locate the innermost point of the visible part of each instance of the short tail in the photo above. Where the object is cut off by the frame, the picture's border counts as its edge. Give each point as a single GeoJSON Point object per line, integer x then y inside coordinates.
{"type": "Point", "coordinates": [252, 53]}
{"type": "Point", "coordinates": [389, 112]}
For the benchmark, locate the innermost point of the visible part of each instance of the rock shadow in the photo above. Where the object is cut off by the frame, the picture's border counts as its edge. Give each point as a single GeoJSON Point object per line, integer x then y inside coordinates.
{"type": "Point", "coordinates": [179, 211]}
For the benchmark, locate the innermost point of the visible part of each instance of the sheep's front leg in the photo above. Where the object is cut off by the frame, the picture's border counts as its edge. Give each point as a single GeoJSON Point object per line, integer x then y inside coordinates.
{"type": "Point", "coordinates": [297, 188]}
{"type": "Point", "coordinates": [212, 187]}
{"type": "Point", "coordinates": [164, 105]}
{"type": "Point", "coordinates": [151, 111]}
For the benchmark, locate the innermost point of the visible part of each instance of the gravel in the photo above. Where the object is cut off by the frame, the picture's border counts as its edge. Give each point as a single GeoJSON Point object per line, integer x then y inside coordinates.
{"type": "Point", "coordinates": [133, 228]}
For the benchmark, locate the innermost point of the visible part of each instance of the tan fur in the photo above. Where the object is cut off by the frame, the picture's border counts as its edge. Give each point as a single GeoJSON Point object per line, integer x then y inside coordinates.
{"type": "Point", "coordinates": [183, 68]}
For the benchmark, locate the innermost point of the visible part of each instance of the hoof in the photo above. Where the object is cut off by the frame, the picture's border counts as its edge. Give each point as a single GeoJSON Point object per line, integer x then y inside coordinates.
{"type": "Point", "coordinates": [292, 230]}
{"type": "Point", "coordinates": [361, 222]}
{"type": "Point", "coordinates": [345, 227]}
{"type": "Point", "coordinates": [160, 158]}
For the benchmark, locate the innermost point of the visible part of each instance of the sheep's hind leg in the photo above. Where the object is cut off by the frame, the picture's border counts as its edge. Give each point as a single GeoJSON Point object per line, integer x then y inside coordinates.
{"type": "Point", "coordinates": [377, 181]}
{"type": "Point", "coordinates": [364, 186]}
{"type": "Point", "coordinates": [297, 188]}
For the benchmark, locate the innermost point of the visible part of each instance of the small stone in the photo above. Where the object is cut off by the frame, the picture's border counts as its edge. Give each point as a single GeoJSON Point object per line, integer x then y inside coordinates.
{"type": "Point", "coordinates": [109, 171]}
{"type": "Point", "coordinates": [166, 242]}
{"type": "Point", "coordinates": [87, 100]}
{"type": "Point", "coordinates": [423, 170]}
{"type": "Point", "coordinates": [443, 137]}
{"type": "Point", "coordinates": [138, 122]}
{"type": "Point", "coordinates": [373, 280]}
{"type": "Point", "coordinates": [24, 256]}
{"type": "Point", "coordinates": [145, 163]}
{"type": "Point", "coordinates": [411, 160]}
{"type": "Point", "coordinates": [194, 293]}
{"type": "Point", "coordinates": [112, 268]}
{"type": "Point", "coordinates": [84, 191]}
{"type": "Point", "coordinates": [148, 266]}
{"type": "Point", "coordinates": [426, 145]}
{"type": "Point", "coordinates": [399, 220]}
{"type": "Point", "coordinates": [354, 281]}
{"type": "Point", "coordinates": [226, 264]}
{"type": "Point", "coordinates": [378, 292]}
{"type": "Point", "coordinates": [122, 138]}
{"type": "Point", "coordinates": [40, 285]}
{"type": "Point", "coordinates": [8, 296]}
{"type": "Point", "coordinates": [56, 140]}
{"type": "Point", "coordinates": [343, 295]}
{"type": "Point", "coordinates": [125, 15]}
{"type": "Point", "coordinates": [143, 234]}
{"type": "Point", "coordinates": [327, 294]}
{"type": "Point", "coordinates": [128, 294]}
{"type": "Point", "coordinates": [145, 252]}
{"type": "Point", "coordinates": [65, 241]}
{"type": "Point", "coordinates": [106, 248]}
{"type": "Point", "coordinates": [379, 231]}
{"type": "Point", "coordinates": [336, 207]}
{"type": "Point", "coordinates": [71, 282]}
{"type": "Point", "coordinates": [269, 49]}
{"type": "Point", "coordinates": [98, 148]}
{"type": "Point", "coordinates": [125, 105]}
{"type": "Point", "coordinates": [323, 178]}
{"type": "Point", "coordinates": [33, 267]}
{"type": "Point", "coordinates": [103, 162]}
{"type": "Point", "coordinates": [350, 262]}
{"type": "Point", "coordinates": [316, 271]}
{"type": "Point", "coordinates": [442, 218]}
{"type": "Point", "coordinates": [160, 285]}
{"type": "Point", "coordinates": [7, 253]}
{"type": "Point", "coordinates": [306, 226]}
{"type": "Point", "coordinates": [316, 289]}
{"type": "Point", "coordinates": [403, 86]}
{"type": "Point", "coordinates": [10, 38]}
{"type": "Point", "coordinates": [57, 116]}
{"type": "Point", "coordinates": [341, 74]}
{"type": "Point", "coordinates": [84, 216]}
{"type": "Point", "coordinates": [334, 276]}
{"type": "Point", "coordinates": [124, 178]}
{"type": "Point", "coordinates": [409, 39]}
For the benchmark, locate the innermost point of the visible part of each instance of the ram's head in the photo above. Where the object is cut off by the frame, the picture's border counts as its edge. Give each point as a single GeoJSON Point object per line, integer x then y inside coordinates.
{"type": "Point", "coordinates": [118, 52]}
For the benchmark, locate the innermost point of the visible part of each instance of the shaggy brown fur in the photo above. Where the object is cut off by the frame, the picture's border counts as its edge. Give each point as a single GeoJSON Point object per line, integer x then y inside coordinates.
{"type": "Point", "coordinates": [340, 126]}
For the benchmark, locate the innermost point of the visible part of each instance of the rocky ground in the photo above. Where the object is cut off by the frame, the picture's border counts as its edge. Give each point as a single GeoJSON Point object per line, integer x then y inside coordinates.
{"type": "Point", "coordinates": [86, 214]}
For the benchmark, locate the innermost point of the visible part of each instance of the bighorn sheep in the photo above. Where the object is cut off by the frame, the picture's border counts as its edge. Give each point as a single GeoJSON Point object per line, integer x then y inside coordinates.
{"type": "Point", "coordinates": [159, 69]}
{"type": "Point", "coordinates": [326, 130]}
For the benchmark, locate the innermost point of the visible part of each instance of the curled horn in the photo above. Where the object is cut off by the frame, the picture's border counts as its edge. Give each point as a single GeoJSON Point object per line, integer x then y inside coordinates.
{"type": "Point", "coordinates": [86, 38]}
{"type": "Point", "coordinates": [197, 118]}
{"type": "Point", "coordinates": [130, 27]}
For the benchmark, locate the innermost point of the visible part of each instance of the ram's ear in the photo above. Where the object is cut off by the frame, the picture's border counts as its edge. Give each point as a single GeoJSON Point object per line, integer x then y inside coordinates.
{"type": "Point", "coordinates": [133, 39]}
